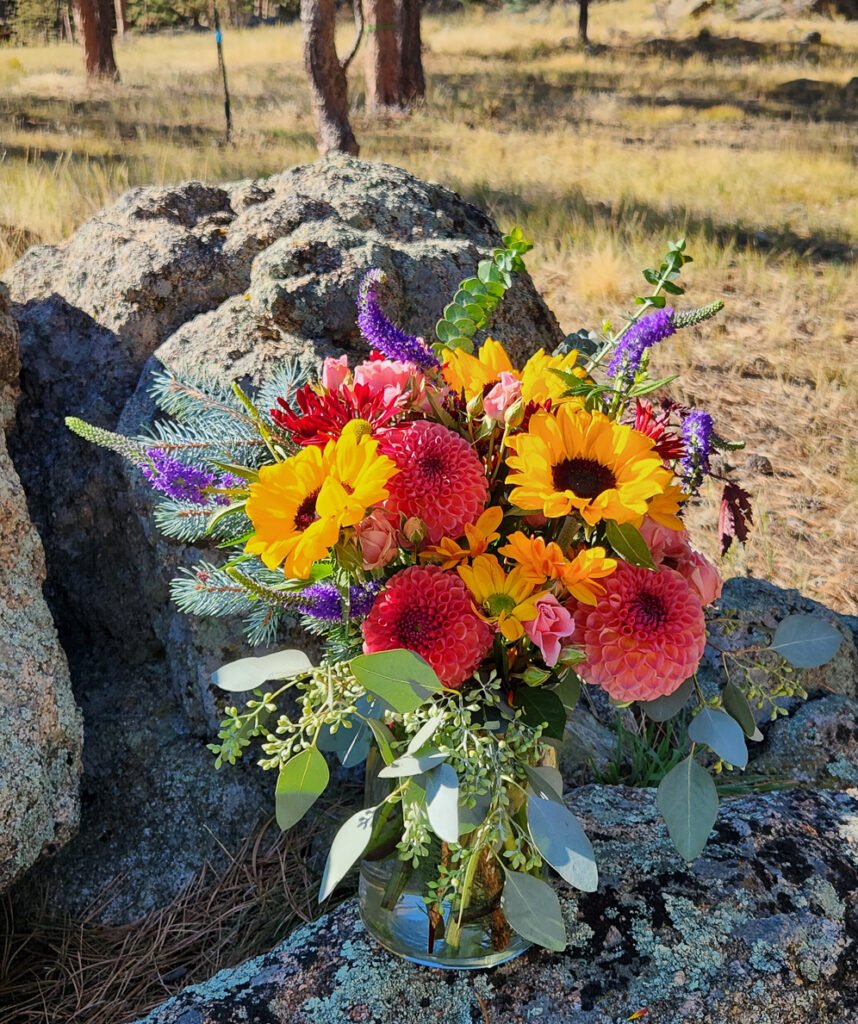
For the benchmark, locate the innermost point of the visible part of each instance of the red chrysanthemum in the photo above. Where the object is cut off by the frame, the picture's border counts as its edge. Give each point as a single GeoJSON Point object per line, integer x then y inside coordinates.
{"type": "Point", "coordinates": [429, 611]}
{"type": "Point", "coordinates": [322, 417]}
{"type": "Point", "coordinates": [645, 636]}
{"type": "Point", "coordinates": [440, 479]}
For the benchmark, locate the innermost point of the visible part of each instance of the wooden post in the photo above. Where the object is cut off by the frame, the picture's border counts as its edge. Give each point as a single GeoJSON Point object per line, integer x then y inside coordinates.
{"type": "Point", "coordinates": [226, 104]}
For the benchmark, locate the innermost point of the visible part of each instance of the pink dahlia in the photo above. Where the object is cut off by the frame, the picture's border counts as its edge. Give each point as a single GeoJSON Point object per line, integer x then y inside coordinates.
{"type": "Point", "coordinates": [429, 611]}
{"type": "Point", "coordinates": [440, 479]}
{"type": "Point", "coordinates": [645, 636]}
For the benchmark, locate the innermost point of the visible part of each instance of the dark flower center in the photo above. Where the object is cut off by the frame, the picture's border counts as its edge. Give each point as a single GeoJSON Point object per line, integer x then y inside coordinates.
{"type": "Point", "coordinates": [585, 477]}
{"type": "Point", "coordinates": [305, 514]}
{"type": "Point", "coordinates": [415, 628]}
{"type": "Point", "coordinates": [650, 610]}
{"type": "Point", "coordinates": [432, 466]}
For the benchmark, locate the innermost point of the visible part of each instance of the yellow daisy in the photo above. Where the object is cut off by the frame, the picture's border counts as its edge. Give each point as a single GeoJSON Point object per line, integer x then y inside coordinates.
{"type": "Point", "coordinates": [580, 575]}
{"type": "Point", "coordinates": [506, 599]}
{"type": "Point", "coordinates": [477, 535]}
{"type": "Point", "coordinates": [573, 460]}
{"type": "Point", "coordinates": [298, 506]}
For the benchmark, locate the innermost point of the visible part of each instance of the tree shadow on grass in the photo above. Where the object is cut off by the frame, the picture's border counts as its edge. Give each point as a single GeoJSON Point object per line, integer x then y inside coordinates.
{"type": "Point", "coordinates": [629, 215]}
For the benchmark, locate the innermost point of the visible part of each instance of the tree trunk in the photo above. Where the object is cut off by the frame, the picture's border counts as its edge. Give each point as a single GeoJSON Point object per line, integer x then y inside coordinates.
{"type": "Point", "coordinates": [382, 55]}
{"type": "Point", "coordinates": [412, 84]}
{"type": "Point", "coordinates": [96, 29]}
{"type": "Point", "coordinates": [328, 88]}
{"type": "Point", "coordinates": [120, 7]}
{"type": "Point", "coordinates": [583, 16]}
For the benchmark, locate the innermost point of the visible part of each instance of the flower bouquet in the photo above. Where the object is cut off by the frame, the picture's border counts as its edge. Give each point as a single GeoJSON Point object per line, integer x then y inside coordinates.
{"type": "Point", "coordinates": [473, 541]}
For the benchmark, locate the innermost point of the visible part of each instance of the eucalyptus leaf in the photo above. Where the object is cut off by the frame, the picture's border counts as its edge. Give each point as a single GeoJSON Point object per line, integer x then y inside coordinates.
{"type": "Point", "coordinates": [472, 817]}
{"type": "Point", "coordinates": [561, 840]}
{"type": "Point", "coordinates": [533, 910]}
{"type": "Point", "coordinates": [663, 708]}
{"type": "Point", "coordinates": [250, 673]}
{"type": "Point", "coordinates": [382, 739]}
{"type": "Point", "coordinates": [722, 733]}
{"type": "Point", "coordinates": [410, 764]}
{"type": "Point", "coordinates": [806, 641]}
{"type": "Point", "coordinates": [399, 678]}
{"type": "Point", "coordinates": [346, 850]}
{"type": "Point", "coordinates": [442, 802]}
{"type": "Point", "coordinates": [736, 704]}
{"type": "Point", "coordinates": [545, 781]}
{"type": "Point", "coordinates": [688, 801]}
{"type": "Point", "coordinates": [628, 543]}
{"type": "Point", "coordinates": [423, 735]}
{"type": "Point", "coordinates": [301, 781]}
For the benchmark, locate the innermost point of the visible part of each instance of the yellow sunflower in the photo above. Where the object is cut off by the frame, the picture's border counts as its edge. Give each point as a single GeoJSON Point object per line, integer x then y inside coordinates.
{"type": "Point", "coordinates": [506, 599]}
{"type": "Point", "coordinates": [470, 374]}
{"type": "Point", "coordinates": [573, 460]}
{"type": "Point", "coordinates": [298, 506]}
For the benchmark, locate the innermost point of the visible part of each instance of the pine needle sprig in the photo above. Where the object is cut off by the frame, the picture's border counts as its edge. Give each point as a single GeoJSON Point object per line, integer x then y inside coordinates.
{"type": "Point", "coordinates": [202, 441]}
{"type": "Point", "coordinates": [186, 522]}
{"type": "Point", "coordinates": [208, 590]}
{"type": "Point", "coordinates": [191, 398]}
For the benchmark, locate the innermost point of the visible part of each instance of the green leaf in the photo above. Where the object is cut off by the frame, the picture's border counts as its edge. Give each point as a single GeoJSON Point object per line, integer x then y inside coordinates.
{"type": "Point", "coordinates": [410, 764]}
{"type": "Point", "coordinates": [546, 782]}
{"type": "Point", "coordinates": [648, 386]}
{"type": "Point", "coordinates": [560, 839]}
{"type": "Point", "coordinates": [301, 781]}
{"type": "Point", "coordinates": [346, 850]}
{"type": "Point", "coordinates": [722, 734]}
{"type": "Point", "coordinates": [250, 673]}
{"type": "Point", "coordinates": [399, 678]}
{"type": "Point", "coordinates": [736, 704]}
{"type": "Point", "coordinates": [423, 735]}
{"type": "Point", "coordinates": [663, 708]}
{"type": "Point", "coordinates": [350, 745]}
{"type": "Point", "coordinates": [688, 801]}
{"type": "Point", "coordinates": [442, 802]}
{"type": "Point", "coordinates": [472, 817]}
{"type": "Point", "coordinates": [569, 689]}
{"type": "Point", "coordinates": [532, 909]}
{"type": "Point", "coordinates": [628, 543]}
{"type": "Point", "coordinates": [382, 739]}
{"type": "Point", "coordinates": [540, 706]}
{"type": "Point", "coordinates": [806, 641]}
{"type": "Point", "coordinates": [445, 331]}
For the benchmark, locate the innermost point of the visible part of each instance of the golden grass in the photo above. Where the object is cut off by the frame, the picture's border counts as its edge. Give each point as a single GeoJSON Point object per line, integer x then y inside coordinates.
{"type": "Point", "coordinates": [602, 156]}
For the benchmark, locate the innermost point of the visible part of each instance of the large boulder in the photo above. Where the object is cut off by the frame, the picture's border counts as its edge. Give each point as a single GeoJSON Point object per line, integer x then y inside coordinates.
{"type": "Point", "coordinates": [761, 927]}
{"type": "Point", "coordinates": [220, 281]}
{"type": "Point", "coordinates": [40, 728]}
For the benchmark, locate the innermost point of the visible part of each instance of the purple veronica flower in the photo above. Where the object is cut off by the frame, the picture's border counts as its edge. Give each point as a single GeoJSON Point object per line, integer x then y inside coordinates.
{"type": "Point", "coordinates": [227, 480]}
{"type": "Point", "coordinates": [322, 601]}
{"type": "Point", "coordinates": [177, 479]}
{"type": "Point", "coordinates": [697, 429]}
{"type": "Point", "coordinates": [383, 335]}
{"type": "Point", "coordinates": [648, 331]}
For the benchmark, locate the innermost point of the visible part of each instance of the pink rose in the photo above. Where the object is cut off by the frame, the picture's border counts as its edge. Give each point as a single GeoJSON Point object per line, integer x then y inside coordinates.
{"type": "Point", "coordinates": [672, 548]}
{"type": "Point", "coordinates": [390, 377]}
{"type": "Point", "coordinates": [377, 537]}
{"type": "Point", "coordinates": [335, 372]}
{"type": "Point", "coordinates": [502, 396]}
{"type": "Point", "coordinates": [702, 576]}
{"type": "Point", "coordinates": [552, 624]}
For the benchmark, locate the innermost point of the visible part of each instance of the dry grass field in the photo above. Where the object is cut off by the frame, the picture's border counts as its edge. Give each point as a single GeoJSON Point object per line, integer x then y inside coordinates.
{"type": "Point", "coordinates": [743, 139]}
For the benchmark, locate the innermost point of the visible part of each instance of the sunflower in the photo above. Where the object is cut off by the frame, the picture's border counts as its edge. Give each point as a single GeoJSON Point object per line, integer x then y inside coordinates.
{"type": "Point", "coordinates": [473, 375]}
{"type": "Point", "coordinates": [506, 599]}
{"type": "Point", "coordinates": [572, 460]}
{"type": "Point", "coordinates": [664, 508]}
{"type": "Point", "coordinates": [298, 506]}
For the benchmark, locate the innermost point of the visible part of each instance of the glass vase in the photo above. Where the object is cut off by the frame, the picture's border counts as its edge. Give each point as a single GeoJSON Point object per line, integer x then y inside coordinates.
{"type": "Point", "coordinates": [393, 910]}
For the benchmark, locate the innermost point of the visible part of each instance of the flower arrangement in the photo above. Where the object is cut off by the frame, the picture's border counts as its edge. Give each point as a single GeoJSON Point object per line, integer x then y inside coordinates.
{"type": "Point", "coordinates": [475, 542]}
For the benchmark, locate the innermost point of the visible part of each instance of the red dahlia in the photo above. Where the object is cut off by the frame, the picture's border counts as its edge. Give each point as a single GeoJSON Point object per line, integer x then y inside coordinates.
{"type": "Point", "coordinates": [322, 417]}
{"type": "Point", "coordinates": [429, 611]}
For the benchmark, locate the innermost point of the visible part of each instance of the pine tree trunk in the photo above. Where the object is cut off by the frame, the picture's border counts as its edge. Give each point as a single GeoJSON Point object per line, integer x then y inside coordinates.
{"type": "Point", "coordinates": [382, 55]}
{"type": "Point", "coordinates": [583, 17]}
{"type": "Point", "coordinates": [94, 17]}
{"type": "Point", "coordinates": [328, 87]}
{"type": "Point", "coordinates": [120, 7]}
{"type": "Point", "coordinates": [412, 84]}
